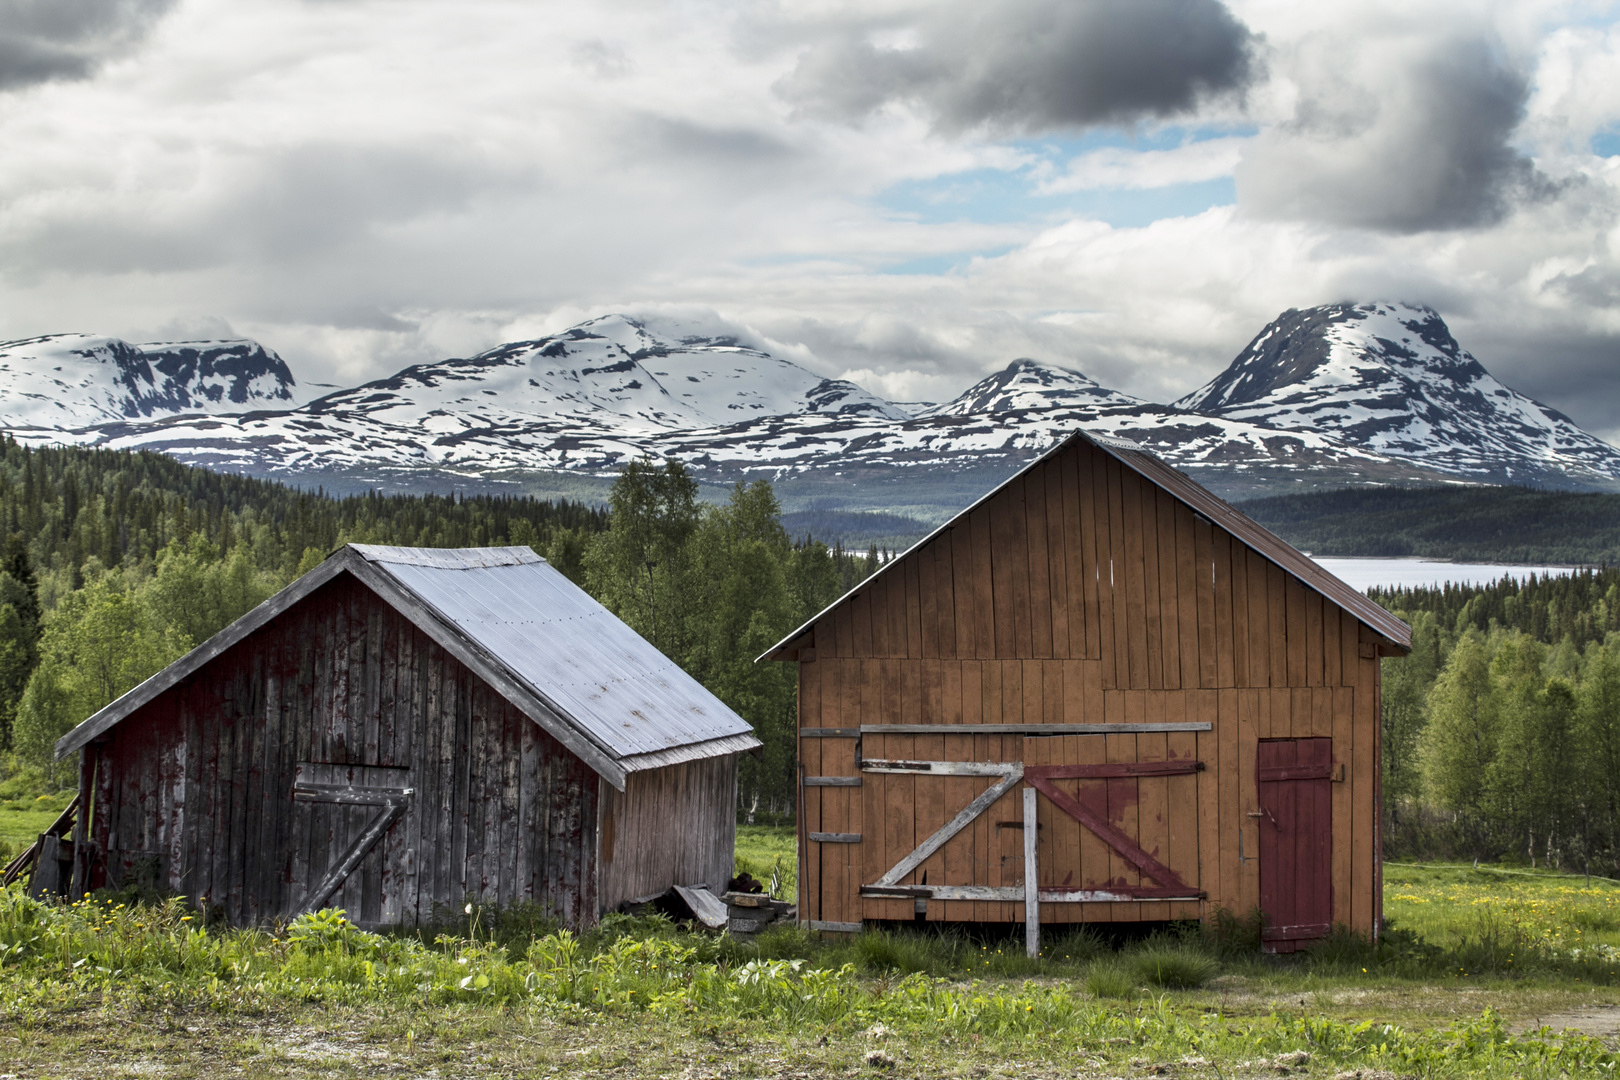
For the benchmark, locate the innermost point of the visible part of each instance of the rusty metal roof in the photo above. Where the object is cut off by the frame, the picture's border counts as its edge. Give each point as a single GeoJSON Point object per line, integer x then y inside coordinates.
{"type": "Point", "coordinates": [559, 656]}
{"type": "Point", "coordinates": [1202, 501]}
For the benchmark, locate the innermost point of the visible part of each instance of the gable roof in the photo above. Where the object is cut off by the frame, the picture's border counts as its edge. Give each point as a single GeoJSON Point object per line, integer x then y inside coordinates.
{"type": "Point", "coordinates": [538, 639]}
{"type": "Point", "coordinates": [1201, 501]}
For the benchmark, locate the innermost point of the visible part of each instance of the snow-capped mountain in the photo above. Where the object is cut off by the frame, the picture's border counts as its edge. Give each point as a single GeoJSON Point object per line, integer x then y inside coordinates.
{"type": "Point", "coordinates": [608, 374]}
{"type": "Point", "coordinates": [71, 381]}
{"type": "Point", "coordinates": [1371, 394]}
{"type": "Point", "coordinates": [1390, 377]}
{"type": "Point", "coordinates": [1029, 384]}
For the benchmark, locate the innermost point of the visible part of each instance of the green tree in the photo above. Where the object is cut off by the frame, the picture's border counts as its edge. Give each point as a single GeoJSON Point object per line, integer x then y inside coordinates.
{"type": "Point", "coordinates": [638, 568]}
{"type": "Point", "coordinates": [1460, 739]}
{"type": "Point", "coordinates": [101, 642]}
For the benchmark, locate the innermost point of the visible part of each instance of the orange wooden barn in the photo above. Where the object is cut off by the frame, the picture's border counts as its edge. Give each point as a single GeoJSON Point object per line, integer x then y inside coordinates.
{"type": "Point", "coordinates": [1105, 679]}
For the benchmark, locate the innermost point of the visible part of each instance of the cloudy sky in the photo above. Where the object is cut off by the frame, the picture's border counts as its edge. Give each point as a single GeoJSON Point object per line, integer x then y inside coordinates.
{"type": "Point", "coordinates": [909, 194]}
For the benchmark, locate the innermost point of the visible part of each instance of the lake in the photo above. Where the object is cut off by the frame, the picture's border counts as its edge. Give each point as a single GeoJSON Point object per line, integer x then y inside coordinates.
{"type": "Point", "coordinates": [1367, 573]}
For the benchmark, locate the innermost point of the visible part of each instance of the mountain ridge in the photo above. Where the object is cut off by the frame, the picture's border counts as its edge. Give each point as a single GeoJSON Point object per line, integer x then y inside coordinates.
{"type": "Point", "coordinates": [1307, 404]}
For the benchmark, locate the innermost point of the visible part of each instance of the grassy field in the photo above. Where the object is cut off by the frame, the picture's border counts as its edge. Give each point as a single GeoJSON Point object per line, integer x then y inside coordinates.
{"type": "Point", "coordinates": [23, 819]}
{"type": "Point", "coordinates": [1488, 973]}
{"type": "Point", "coordinates": [764, 850]}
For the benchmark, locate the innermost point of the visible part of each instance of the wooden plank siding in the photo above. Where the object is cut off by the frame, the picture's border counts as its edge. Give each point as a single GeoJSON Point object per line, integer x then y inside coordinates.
{"type": "Point", "coordinates": [200, 783]}
{"type": "Point", "coordinates": [1083, 593]}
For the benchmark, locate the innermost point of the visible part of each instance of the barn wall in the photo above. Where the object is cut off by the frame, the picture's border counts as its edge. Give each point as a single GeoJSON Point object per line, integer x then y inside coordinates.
{"type": "Point", "coordinates": [671, 826]}
{"type": "Point", "coordinates": [202, 777]}
{"type": "Point", "coordinates": [1082, 593]}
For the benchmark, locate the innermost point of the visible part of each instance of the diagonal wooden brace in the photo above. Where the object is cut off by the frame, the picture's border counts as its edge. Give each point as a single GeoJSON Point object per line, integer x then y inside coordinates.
{"type": "Point", "coordinates": [391, 804]}
{"type": "Point", "coordinates": [1111, 836]}
{"type": "Point", "coordinates": [1010, 773]}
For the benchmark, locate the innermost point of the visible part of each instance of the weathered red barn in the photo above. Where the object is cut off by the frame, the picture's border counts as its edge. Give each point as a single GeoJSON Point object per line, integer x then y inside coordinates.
{"type": "Point", "coordinates": [407, 728]}
{"type": "Point", "coordinates": [1103, 680]}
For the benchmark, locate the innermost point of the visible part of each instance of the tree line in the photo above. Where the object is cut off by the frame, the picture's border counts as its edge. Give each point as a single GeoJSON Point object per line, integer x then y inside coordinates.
{"type": "Point", "coordinates": [1501, 730]}
{"type": "Point", "coordinates": [115, 564]}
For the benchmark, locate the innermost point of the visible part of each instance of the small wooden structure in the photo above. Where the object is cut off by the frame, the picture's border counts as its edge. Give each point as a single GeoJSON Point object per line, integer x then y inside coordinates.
{"type": "Point", "coordinates": [1102, 681]}
{"type": "Point", "coordinates": [406, 729]}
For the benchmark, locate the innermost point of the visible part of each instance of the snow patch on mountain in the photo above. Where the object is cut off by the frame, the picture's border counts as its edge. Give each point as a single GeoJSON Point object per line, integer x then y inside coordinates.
{"type": "Point", "coordinates": [70, 381]}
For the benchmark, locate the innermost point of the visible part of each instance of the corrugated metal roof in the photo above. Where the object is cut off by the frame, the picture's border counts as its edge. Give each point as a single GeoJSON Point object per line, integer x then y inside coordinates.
{"type": "Point", "coordinates": [1201, 500]}
{"type": "Point", "coordinates": [597, 673]}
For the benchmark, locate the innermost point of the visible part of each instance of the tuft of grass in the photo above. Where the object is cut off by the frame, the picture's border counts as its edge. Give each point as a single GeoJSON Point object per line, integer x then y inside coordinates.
{"type": "Point", "coordinates": [886, 952]}
{"type": "Point", "coordinates": [1109, 979]}
{"type": "Point", "coordinates": [1173, 966]}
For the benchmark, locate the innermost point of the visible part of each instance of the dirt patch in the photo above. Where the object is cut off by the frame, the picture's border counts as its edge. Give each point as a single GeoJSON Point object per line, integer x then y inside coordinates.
{"type": "Point", "coordinates": [1599, 1021]}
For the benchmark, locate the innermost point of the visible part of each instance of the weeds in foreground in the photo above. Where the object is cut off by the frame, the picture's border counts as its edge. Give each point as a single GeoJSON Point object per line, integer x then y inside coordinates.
{"type": "Point", "coordinates": [56, 956]}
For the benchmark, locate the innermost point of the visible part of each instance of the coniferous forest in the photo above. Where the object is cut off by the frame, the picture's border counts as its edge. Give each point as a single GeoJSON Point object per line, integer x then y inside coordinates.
{"type": "Point", "coordinates": [115, 564]}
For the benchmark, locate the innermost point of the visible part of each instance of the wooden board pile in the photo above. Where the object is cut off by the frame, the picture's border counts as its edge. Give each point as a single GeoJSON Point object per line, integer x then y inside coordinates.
{"type": "Point", "coordinates": [741, 914]}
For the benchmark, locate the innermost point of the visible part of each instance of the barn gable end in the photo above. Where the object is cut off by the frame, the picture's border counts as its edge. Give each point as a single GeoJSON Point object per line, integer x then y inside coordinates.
{"type": "Point", "coordinates": [1128, 641]}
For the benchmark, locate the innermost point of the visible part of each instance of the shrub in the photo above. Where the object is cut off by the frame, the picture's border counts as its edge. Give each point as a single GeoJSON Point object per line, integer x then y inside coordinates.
{"type": "Point", "coordinates": [1108, 979]}
{"type": "Point", "coordinates": [1233, 936]}
{"type": "Point", "coordinates": [1175, 967]}
{"type": "Point", "coordinates": [883, 951]}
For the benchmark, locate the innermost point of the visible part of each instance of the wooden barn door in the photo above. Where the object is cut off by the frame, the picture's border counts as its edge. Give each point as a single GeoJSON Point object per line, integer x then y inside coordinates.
{"type": "Point", "coordinates": [342, 813]}
{"type": "Point", "coordinates": [1296, 840]}
{"type": "Point", "coordinates": [1118, 815]}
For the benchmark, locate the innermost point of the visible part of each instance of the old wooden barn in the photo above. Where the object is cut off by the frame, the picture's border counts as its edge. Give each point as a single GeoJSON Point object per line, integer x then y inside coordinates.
{"type": "Point", "coordinates": [1103, 679]}
{"type": "Point", "coordinates": [406, 728]}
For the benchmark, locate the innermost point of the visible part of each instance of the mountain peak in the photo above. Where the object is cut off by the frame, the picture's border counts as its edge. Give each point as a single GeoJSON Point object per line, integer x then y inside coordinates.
{"type": "Point", "coordinates": [1030, 384]}
{"type": "Point", "coordinates": [1391, 377]}
{"type": "Point", "coordinates": [73, 380]}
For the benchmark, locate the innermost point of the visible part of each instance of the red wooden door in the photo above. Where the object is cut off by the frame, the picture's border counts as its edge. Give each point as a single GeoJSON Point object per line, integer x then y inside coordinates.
{"type": "Point", "coordinates": [1296, 840]}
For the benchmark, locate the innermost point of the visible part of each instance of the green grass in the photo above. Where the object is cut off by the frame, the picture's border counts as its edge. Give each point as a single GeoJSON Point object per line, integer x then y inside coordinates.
{"type": "Point", "coordinates": [23, 818]}
{"type": "Point", "coordinates": [108, 987]}
{"type": "Point", "coordinates": [639, 993]}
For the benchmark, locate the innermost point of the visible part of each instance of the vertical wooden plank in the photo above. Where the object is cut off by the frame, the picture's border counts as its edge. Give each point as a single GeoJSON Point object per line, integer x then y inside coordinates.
{"type": "Point", "coordinates": [1040, 571]}
{"type": "Point", "coordinates": [1170, 615]}
{"type": "Point", "coordinates": [1182, 801]}
{"type": "Point", "coordinates": [1153, 795]}
{"type": "Point", "coordinates": [1343, 707]}
{"type": "Point", "coordinates": [969, 856]}
{"type": "Point", "coordinates": [1127, 626]}
{"type": "Point", "coordinates": [1080, 490]}
{"type": "Point", "coordinates": [945, 602]}
{"type": "Point", "coordinates": [1251, 706]}
{"type": "Point", "coordinates": [1232, 658]}
{"type": "Point", "coordinates": [1259, 620]}
{"type": "Point", "coordinates": [1298, 652]}
{"type": "Point", "coordinates": [928, 600]}
{"type": "Point", "coordinates": [965, 609]}
{"type": "Point", "coordinates": [1032, 881]}
{"type": "Point", "coordinates": [986, 607]}
{"type": "Point", "coordinates": [1332, 666]}
{"type": "Point", "coordinates": [1128, 580]}
{"type": "Point", "coordinates": [1058, 560]}
{"type": "Point", "coordinates": [1363, 782]}
{"type": "Point", "coordinates": [1094, 856]}
{"type": "Point", "coordinates": [1148, 499]}
{"type": "Point", "coordinates": [1187, 596]}
{"type": "Point", "coordinates": [1209, 670]}
{"type": "Point", "coordinates": [1014, 509]}
{"type": "Point", "coordinates": [1213, 865]}
{"type": "Point", "coordinates": [860, 619]}
{"type": "Point", "coordinates": [1277, 600]}
{"type": "Point", "coordinates": [1313, 637]}
{"type": "Point", "coordinates": [1124, 802]}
